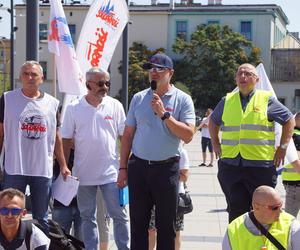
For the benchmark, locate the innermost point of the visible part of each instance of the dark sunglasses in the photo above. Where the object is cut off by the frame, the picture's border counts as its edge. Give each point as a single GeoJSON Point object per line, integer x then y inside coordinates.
{"type": "Point", "coordinates": [275, 207]}
{"type": "Point", "coordinates": [272, 207]}
{"type": "Point", "coordinates": [12, 211]}
{"type": "Point", "coordinates": [101, 83]}
{"type": "Point", "coordinates": [157, 69]}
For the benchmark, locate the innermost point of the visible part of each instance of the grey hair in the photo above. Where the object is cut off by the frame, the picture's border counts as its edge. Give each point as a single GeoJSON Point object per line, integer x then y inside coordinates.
{"type": "Point", "coordinates": [93, 71]}
{"type": "Point", "coordinates": [250, 67]}
{"type": "Point", "coordinates": [32, 63]}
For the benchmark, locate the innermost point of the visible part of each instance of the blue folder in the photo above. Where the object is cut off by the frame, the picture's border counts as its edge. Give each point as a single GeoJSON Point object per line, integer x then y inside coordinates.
{"type": "Point", "coordinates": [123, 196]}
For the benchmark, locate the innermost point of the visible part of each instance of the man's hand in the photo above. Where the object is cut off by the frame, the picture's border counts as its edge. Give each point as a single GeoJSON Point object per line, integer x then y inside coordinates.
{"type": "Point", "coordinates": [157, 105]}
{"type": "Point", "coordinates": [65, 171]}
{"type": "Point", "coordinates": [217, 150]}
{"type": "Point", "coordinates": [279, 156]}
{"type": "Point", "coordinates": [122, 178]}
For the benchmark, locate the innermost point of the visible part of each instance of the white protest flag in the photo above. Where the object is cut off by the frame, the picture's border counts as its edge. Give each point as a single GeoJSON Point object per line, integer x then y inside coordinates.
{"type": "Point", "coordinates": [100, 33]}
{"type": "Point", "coordinates": [264, 83]}
{"type": "Point", "coordinates": [70, 78]}
{"type": "Point", "coordinates": [102, 28]}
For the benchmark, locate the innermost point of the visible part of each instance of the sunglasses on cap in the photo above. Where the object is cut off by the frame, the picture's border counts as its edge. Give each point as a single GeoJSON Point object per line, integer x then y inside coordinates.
{"type": "Point", "coordinates": [101, 83]}
{"type": "Point", "coordinates": [12, 211]}
{"type": "Point", "coordinates": [157, 69]}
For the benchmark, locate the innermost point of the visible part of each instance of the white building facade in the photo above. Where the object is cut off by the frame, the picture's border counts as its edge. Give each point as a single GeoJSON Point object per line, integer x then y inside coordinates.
{"type": "Point", "coordinates": [158, 25]}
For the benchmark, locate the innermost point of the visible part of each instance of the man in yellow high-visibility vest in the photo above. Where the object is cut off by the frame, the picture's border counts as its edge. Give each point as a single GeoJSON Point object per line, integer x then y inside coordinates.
{"type": "Point", "coordinates": [248, 157]}
{"type": "Point", "coordinates": [242, 233]}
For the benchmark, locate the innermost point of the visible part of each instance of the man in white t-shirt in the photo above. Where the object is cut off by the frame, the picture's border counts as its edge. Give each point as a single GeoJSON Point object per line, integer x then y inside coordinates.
{"type": "Point", "coordinates": [205, 140]}
{"type": "Point", "coordinates": [95, 122]}
{"type": "Point", "coordinates": [29, 135]}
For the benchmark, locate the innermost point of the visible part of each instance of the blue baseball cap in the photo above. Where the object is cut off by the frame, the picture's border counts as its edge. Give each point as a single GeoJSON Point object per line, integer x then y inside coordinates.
{"type": "Point", "coordinates": [159, 60]}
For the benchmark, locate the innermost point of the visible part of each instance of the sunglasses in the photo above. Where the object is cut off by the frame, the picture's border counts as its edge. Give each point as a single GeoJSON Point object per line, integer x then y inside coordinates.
{"type": "Point", "coordinates": [273, 207]}
{"type": "Point", "coordinates": [247, 74]}
{"type": "Point", "coordinates": [12, 211]}
{"type": "Point", "coordinates": [157, 69]}
{"type": "Point", "coordinates": [101, 83]}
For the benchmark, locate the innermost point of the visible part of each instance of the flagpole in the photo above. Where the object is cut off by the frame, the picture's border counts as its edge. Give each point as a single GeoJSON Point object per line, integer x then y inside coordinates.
{"type": "Point", "coordinates": [54, 76]}
{"type": "Point", "coordinates": [125, 68]}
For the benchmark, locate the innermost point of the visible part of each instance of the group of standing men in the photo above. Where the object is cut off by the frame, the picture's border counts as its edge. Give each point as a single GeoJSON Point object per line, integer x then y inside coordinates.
{"type": "Point", "coordinates": [164, 116]}
{"type": "Point", "coordinates": [159, 119]}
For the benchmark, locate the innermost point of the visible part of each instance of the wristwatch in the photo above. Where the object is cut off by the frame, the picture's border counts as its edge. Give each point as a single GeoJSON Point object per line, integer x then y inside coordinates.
{"type": "Point", "coordinates": [166, 116]}
{"type": "Point", "coordinates": [284, 146]}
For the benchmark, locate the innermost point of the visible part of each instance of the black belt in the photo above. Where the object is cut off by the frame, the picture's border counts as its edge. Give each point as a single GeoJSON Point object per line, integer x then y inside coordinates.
{"type": "Point", "coordinates": [169, 160]}
{"type": "Point", "coordinates": [292, 183]}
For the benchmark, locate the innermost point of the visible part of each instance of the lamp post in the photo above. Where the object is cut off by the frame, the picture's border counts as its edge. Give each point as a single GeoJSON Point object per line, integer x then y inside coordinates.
{"type": "Point", "coordinates": [125, 68]}
{"type": "Point", "coordinates": [12, 50]}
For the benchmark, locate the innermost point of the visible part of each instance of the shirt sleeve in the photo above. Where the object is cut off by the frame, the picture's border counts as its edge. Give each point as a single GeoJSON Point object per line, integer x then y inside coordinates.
{"type": "Point", "coordinates": [278, 112]}
{"type": "Point", "coordinates": [226, 243]}
{"type": "Point", "coordinates": [68, 124]}
{"type": "Point", "coordinates": [120, 118]}
{"type": "Point", "coordinates": [216, 115]}
{"type": "Point", "coordinates": [2, 104]}
{"type": "Point", "coordinates": [130, 119]}
{"type": "Point", "coordinates": [294, 243]}
{"type": "Point", "coordinates": [187, 114]}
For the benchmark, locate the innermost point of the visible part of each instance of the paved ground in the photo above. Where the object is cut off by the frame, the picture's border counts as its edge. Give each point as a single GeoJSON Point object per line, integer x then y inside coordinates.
{"type": "Point", "coordinates": [206, 225]}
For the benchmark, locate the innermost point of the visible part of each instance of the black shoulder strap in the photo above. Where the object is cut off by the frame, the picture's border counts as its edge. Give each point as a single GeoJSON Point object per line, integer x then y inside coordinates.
{"type": "Point", "coordinates": [265, 232]}
{"type": "Point", "coordinates": [28, 234]}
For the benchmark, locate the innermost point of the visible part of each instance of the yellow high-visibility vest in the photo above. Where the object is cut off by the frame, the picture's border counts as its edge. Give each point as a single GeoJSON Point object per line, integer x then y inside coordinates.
{"type": "Point", "coordinates": [288, 172]}
{"type": "Point", "coordinates": [241, 238]}
{"type": "Point", "coordinates": [248, 133]}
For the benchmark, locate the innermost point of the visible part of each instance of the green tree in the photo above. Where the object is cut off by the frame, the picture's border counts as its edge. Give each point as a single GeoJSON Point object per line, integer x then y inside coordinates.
{"type": "Point", "coordinates": [4, 86]}
{"type": "Point", "coordinates": [210, 60]}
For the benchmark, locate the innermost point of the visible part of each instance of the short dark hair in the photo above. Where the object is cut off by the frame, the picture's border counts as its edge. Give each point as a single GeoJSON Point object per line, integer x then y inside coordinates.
{"type": "Point", "coordinates": [11, 193]}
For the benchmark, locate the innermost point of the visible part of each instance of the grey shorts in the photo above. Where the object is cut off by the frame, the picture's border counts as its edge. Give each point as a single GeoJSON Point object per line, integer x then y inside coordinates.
{"type": "Point", "coordinates": [179, 225]}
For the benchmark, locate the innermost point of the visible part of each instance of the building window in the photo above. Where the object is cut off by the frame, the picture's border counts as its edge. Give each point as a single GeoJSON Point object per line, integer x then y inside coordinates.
{"type": "Point", "coordinates": [44, 66]}
{"type": "Point", "coordinates": [43, 32]}
{"type": "Point", "coordinates": [181, 30]}
{"type": "Point", "coordinates": [246, 29]}
{"type": "Point", "coordinates": [72, 28]}
{"type": "Point", "coordinates": [213, 22]}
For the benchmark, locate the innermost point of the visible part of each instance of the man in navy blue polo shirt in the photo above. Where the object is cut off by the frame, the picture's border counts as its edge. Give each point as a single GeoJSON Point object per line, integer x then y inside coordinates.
{"type": "Point", "coordinates": [159, 118]}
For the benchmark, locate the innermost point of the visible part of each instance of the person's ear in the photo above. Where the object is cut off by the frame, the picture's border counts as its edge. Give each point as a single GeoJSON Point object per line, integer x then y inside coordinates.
{"type": "Point", "coordinates": [23, 213]}
{"type": "Point", "coordinates": [88, 86]}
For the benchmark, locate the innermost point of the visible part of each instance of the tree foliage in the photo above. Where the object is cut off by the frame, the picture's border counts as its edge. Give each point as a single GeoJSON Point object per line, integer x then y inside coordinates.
{"type": "Point", "coordinates": [210, 60]}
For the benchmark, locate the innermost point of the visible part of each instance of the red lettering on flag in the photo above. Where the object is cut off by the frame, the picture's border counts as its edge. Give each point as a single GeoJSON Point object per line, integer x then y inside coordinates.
{"type": "Point", "coordinates": [54, 31]}
{"type": "Point", "coordinates": [95, 55]}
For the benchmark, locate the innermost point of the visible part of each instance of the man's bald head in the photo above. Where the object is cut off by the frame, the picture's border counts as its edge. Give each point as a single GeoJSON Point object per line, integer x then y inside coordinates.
{"type": "Point", "coordinates": [267, 204]}
{"type": "Point", "coordinates": [265, 193]}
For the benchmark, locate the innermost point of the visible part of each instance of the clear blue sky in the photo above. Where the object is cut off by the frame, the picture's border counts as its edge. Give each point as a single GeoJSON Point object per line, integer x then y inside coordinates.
{"type": "Point", "coordinates": [290, 7]}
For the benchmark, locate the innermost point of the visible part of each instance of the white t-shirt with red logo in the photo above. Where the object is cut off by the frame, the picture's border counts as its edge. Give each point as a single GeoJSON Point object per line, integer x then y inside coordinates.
{"type": "Point", "coordinates": [184, 163]}
{"type": "Point", "coordinates": [95, 132]}
{"type": "Point", "coordinates": [29, 134]}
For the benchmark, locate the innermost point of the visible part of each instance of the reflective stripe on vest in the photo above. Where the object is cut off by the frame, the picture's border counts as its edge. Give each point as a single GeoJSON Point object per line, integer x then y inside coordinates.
{"type": "Point", "coordinates": [241, 238]}
{"type": "Point", "coordinates": [289, 173]}
{"type": "Point", "coordinates": [248, 133]}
